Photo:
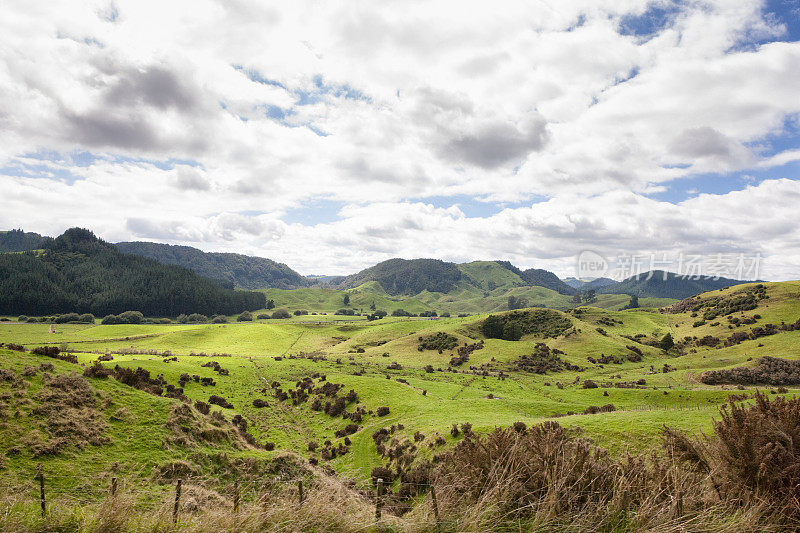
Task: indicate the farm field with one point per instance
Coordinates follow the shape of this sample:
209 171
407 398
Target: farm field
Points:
609 378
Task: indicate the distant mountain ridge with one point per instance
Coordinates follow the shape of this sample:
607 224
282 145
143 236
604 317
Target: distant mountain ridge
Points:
595 283
661 284
240 271
398 277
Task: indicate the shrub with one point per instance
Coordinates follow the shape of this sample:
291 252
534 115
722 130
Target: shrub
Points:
749 454
66 318
768 371
262 316
382 472
219 400
219 319
515 324
196 318
97 371
439 341
382 411
130 317
245 316
300 312
281 314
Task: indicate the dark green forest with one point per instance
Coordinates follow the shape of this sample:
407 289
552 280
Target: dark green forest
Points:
77 272
237 270
17 240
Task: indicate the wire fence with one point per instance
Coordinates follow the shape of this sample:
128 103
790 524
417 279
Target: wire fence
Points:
229 493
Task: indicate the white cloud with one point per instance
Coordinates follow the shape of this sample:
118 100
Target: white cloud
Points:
385 105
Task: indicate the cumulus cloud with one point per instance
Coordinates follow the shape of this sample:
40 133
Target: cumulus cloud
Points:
208 121
189 179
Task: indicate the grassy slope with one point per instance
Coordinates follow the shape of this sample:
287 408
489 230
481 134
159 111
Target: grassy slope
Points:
675 398
136 440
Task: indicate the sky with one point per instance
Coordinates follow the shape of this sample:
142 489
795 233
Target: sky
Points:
333 135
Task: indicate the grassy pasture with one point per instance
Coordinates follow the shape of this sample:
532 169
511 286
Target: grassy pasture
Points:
358 356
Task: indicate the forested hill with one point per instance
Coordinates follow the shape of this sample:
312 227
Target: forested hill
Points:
539 277
412 276
78 272
546 279
17 240
241 271
673 286
408 276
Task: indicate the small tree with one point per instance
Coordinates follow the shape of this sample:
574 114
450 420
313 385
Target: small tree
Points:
372 306
270 304
590 297
515 302
666 342
576 298
346 299
246 316
634 303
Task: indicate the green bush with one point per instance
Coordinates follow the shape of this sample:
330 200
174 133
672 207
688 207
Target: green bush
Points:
281 313
513 325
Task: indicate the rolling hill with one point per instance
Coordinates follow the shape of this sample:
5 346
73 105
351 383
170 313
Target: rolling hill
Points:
240 271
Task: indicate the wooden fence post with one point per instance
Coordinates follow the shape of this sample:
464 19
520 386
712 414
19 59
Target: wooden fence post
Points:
40 476
435 504
235 496
113 486
300 491
177 502
378 499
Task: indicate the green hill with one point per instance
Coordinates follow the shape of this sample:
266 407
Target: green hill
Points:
240 271
408 277
545 278
660 284
491 275
78 272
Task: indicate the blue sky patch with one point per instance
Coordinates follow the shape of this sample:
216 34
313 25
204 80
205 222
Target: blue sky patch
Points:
475 208
314 211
